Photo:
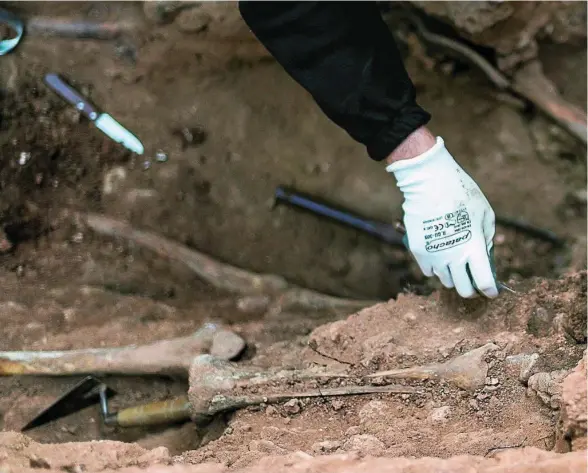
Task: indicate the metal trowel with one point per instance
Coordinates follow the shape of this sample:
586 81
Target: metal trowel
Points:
91 390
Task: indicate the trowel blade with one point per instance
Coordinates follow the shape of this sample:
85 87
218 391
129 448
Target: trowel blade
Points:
82 395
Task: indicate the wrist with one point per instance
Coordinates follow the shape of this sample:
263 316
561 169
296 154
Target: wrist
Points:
417 143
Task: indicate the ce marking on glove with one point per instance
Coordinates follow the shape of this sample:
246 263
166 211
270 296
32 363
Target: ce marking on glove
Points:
449 231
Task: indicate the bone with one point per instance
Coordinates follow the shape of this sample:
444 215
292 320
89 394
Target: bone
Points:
169 357
218 386
282 295
467 371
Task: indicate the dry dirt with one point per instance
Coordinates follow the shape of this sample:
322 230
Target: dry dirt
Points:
518 406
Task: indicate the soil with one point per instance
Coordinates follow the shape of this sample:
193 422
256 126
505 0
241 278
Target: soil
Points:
64 287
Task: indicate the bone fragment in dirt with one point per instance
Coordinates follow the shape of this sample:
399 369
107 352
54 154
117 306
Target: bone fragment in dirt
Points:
217 386
223 276
172 356
467 371
529 83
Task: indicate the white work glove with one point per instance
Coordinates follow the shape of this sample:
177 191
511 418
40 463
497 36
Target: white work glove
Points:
449 223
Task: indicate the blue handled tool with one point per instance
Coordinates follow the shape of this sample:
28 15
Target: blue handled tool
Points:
389 233
381 230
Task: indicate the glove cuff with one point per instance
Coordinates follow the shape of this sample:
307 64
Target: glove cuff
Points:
418 160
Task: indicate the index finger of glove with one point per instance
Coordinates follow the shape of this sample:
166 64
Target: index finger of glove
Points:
481 272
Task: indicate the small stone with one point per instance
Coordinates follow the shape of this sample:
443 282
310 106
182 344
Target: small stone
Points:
271 411
353 430
23 158
410 316
328 446
146 164
160 157
113 180
78 237
405 396
227 345
527 367
440 414
265 446
292 406
36 461
74 468
474 404
494 381
365 444
337 405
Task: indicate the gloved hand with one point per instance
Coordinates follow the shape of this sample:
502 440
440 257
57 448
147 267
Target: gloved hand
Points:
449 223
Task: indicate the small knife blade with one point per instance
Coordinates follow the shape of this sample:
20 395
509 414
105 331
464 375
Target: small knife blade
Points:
104 122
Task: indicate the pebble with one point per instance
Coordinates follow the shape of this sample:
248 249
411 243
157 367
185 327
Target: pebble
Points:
366 444
328 446
292 406
353 430
160 157
337 405
440 414
474 404
265 446
24 158
271 411
36 461
227 345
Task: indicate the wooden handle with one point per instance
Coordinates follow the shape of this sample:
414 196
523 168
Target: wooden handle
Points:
155 413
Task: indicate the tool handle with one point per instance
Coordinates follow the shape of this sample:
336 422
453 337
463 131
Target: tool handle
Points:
70 95
156 413
383 231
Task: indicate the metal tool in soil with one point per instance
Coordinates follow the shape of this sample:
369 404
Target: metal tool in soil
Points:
216 387
103 121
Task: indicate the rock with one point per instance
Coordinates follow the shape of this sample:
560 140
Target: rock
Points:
292 407
522 365
548 387
337 405
364 444
540 322
36 461
572 428
440 414
353 430
373 411
227 345
114 180
267 447
328 446
157 455
271 411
